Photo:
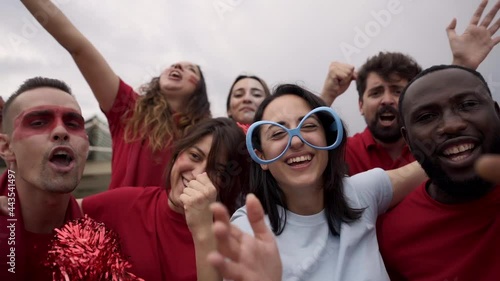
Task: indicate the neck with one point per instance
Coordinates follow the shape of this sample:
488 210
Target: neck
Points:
443 197
42 211
393 149
305 201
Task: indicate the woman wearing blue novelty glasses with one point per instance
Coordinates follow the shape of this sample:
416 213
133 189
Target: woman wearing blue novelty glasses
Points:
324 221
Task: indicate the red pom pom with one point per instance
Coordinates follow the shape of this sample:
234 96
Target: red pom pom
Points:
244 127
85 250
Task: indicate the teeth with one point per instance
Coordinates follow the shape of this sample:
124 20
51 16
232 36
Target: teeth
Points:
61 153
458 149
185 182
299 159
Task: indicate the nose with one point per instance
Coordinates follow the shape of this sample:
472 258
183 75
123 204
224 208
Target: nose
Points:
452 123
296 142
246 97
198 169
60 134
388 98
178 66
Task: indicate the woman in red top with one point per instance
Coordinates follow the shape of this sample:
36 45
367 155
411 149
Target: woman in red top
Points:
167 233
245 96
142 127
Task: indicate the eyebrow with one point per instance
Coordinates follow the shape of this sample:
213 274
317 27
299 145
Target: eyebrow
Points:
452 99
299 119
38 113
376 88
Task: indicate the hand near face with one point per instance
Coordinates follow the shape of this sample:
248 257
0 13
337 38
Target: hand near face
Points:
337 81
196 198
488 167
239 256
472 47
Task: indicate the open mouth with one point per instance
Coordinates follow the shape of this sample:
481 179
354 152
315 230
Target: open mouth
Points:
387 118
299 160
175 75
62 157
185 182
459 152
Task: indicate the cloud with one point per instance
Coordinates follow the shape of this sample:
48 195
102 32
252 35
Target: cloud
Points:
281 41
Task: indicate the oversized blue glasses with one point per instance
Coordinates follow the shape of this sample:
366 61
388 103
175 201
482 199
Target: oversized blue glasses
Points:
278 138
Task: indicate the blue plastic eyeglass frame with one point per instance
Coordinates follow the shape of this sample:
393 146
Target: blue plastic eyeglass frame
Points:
336 126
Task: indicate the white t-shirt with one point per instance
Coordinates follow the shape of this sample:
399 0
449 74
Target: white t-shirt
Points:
310 252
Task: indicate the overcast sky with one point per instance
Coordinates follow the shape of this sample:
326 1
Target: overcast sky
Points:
278 40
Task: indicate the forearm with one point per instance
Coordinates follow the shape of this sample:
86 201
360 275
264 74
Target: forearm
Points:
94 68
204 243
404 180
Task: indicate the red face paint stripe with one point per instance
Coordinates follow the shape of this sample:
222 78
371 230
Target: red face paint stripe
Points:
44 119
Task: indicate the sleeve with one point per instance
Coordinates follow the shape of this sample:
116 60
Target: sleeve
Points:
110 206
371 190
125 100
240 219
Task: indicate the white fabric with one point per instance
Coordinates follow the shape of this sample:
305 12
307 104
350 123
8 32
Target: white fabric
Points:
310 252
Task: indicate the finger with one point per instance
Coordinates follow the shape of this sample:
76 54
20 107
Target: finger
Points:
488 167
496 40
228 239
220 212
203 178
491 15
355 75
256 219
450 29
227 268
4 206
479 11
494 28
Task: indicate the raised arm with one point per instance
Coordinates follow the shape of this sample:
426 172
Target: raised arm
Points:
474 45
337 81
102 80
404 180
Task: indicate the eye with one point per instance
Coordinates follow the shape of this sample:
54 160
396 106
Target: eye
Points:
278 134
425 117
195 157
74 124
309 127
38 123
468 105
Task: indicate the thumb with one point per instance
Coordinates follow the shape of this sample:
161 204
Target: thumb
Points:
450 30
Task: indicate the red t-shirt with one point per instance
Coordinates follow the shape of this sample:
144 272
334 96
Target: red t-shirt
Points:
363 153
133 163
156 239
30 249
422 239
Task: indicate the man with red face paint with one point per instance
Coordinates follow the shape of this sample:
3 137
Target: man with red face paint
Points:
45 146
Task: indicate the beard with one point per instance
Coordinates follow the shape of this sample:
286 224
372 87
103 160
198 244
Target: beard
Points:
471 188
390 134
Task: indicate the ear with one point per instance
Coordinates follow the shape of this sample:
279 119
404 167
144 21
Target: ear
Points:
261 156
5 151
360 104
229 114
404 133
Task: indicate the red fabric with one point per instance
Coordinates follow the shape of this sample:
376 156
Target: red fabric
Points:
133 164
364 153
156 239
30 248
421 239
